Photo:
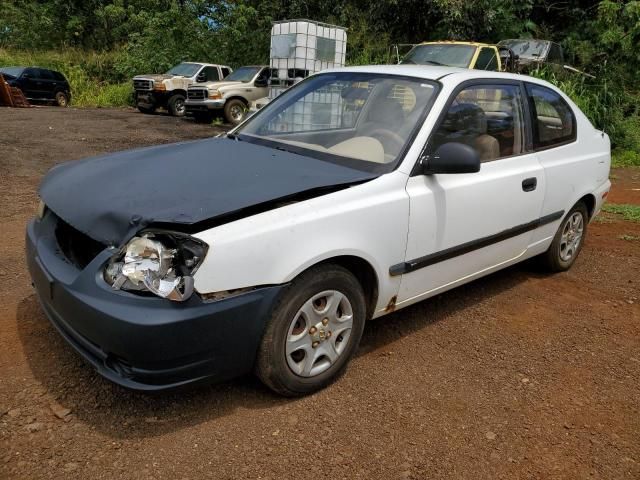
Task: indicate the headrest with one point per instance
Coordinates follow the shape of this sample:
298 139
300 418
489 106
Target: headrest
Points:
467 118
387 111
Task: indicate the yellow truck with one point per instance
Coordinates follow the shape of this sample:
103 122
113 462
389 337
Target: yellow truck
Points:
474 55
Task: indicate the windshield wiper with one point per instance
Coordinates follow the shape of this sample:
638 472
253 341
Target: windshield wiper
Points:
431 62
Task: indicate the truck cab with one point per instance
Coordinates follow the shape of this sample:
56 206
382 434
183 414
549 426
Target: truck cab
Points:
532 53
472 55
169 90
231 96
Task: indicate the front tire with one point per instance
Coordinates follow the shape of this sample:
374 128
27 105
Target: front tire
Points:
176 105
314 330
234 111
568 241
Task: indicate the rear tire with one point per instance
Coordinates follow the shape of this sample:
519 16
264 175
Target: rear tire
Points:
314 330
234 111
568 241
62 99
176 105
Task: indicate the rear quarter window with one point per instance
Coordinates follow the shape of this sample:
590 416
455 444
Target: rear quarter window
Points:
553 120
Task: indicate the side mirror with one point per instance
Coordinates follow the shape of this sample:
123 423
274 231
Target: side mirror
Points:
261 82
201 78
452 157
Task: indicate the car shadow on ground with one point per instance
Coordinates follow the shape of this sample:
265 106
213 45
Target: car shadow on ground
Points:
124 414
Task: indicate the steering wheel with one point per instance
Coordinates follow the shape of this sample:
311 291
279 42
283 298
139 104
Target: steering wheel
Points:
393 137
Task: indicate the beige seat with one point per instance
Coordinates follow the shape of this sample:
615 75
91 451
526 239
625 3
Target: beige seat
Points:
362 148
487 147
385 114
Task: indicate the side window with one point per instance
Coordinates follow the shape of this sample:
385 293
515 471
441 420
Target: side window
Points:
30 73
487 60
212 74
45 74
488 118
554 123
58 76
225 72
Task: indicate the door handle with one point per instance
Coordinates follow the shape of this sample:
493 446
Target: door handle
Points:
529 184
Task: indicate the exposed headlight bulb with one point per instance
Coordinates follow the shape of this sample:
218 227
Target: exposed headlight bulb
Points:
148 264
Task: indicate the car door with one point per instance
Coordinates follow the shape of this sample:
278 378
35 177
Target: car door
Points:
254 92
48 83
30 83
463 225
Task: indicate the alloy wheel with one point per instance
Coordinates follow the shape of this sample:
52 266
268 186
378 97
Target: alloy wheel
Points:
571 236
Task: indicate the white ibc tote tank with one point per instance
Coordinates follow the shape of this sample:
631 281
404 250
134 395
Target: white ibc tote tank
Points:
302 47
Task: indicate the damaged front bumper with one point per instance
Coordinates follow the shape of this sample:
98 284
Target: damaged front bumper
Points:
143 342
149 98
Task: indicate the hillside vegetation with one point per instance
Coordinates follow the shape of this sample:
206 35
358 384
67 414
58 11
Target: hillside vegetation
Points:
99 45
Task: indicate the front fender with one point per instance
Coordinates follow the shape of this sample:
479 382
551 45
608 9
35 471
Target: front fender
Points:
368 221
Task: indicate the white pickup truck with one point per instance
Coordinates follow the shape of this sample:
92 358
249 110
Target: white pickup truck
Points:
169 90
232 96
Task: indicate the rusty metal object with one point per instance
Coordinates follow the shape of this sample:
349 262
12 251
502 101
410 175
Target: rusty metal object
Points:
391 306
11 96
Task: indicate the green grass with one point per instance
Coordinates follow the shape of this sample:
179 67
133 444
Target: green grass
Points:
93 76
630 213
629 238
625 158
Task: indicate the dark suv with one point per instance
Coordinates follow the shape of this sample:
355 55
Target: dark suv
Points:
39 84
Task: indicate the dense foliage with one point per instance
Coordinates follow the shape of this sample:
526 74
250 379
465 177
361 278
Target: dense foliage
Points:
102 43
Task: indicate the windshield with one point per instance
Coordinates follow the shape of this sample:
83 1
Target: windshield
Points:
441 54
364 120
185 69
243 74
12 71
532 49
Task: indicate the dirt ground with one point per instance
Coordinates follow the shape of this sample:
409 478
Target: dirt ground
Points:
517 375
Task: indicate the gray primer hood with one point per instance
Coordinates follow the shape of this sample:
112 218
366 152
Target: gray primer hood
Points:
111 197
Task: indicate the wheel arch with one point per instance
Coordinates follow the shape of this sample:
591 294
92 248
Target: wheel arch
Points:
238 97
177 91
590 201
364 272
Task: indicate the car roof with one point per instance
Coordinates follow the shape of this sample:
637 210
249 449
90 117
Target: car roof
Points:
25 67
438 73
457 42
525 40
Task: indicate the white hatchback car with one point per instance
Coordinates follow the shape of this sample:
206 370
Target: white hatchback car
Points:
357 192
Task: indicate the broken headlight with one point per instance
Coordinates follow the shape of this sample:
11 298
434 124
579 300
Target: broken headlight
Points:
158 262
